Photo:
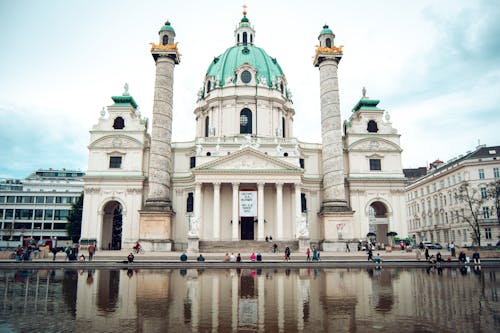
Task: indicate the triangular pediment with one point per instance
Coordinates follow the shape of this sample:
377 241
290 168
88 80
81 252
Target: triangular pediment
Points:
248 160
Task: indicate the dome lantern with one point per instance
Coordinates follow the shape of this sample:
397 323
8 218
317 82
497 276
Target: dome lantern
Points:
244 33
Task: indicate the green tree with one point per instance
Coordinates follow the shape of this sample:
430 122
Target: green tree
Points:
74 225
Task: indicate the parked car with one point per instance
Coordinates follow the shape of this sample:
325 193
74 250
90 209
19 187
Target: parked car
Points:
433 246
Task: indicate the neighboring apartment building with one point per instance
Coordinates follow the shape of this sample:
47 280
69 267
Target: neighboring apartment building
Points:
37 206
434 213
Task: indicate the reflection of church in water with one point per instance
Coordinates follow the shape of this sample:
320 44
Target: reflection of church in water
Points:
246 174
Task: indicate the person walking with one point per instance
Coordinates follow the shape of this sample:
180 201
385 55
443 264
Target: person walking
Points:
427 256
308 254
347 249
287 253
91 251
370 255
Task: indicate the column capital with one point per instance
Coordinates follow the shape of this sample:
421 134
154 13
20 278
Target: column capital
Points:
279 184
261 184
216 183
235 184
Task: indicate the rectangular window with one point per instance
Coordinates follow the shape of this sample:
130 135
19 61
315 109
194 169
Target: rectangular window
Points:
39 214
49 200
2 199
61 214
49 214
1 214
11 199
428 189
481 173
301 163
190 203
434 187
59 226
40 199
484 194
303 202
496 174
192 162
487 233
486 212
47 226
375 164
9 214
115 162
454 179
459 177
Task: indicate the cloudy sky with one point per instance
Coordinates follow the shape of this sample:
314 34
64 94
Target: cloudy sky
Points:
434 65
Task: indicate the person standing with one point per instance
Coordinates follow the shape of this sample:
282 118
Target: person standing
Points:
130 258
91 251
370 255
452 249
287 253
427 256
347 249
308 254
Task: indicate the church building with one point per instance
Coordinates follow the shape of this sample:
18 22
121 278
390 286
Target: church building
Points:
245 175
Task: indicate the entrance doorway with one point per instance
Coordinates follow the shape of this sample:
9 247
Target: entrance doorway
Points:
112 226
247 228
379 221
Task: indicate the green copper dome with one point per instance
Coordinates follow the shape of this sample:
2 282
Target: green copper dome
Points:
167 27
326 31
244 19
223 66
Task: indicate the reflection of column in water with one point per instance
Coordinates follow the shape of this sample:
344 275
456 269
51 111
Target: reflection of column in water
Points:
192 287
261 302
281 305
6 292
299 301
234 300
47 292
26 292
215 302
36 289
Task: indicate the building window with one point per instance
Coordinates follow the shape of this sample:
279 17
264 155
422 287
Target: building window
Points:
303 203
115 162
49 214
486 212
40 199
375 164
207 126
496 173
119 123
246 121
165 40
487 233
190 203
283 126
441 184
49 200
209 86
301 163
481 173
484 194
372 127
328 42
60 214
38 214
245 38
192 162
246 77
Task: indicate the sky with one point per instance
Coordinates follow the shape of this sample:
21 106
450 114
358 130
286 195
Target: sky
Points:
434 66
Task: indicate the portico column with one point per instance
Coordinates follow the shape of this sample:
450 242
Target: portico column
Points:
235 211
216 211
298 208
260 211
197 204
279 211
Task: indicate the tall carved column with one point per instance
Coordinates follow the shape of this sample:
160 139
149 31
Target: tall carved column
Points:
235 211
260 212
216 211
279 211
335 210
155 218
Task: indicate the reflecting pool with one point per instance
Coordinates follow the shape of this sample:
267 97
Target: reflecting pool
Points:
250 300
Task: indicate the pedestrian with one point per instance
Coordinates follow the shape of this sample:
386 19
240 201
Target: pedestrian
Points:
267 239
91 251
378 259
259 256
308 254
419 253
452 249
232 258
347 247
476 258
270 239
427 256
184 256
370 255
200 258
275 248
82 257
287 253
461 257
130 258
439 259
253 257
19 253
238 258
226 257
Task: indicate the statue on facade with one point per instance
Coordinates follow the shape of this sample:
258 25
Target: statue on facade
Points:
302 229
194 225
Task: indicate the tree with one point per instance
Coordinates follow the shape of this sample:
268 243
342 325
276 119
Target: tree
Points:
473 202
74 225
494 194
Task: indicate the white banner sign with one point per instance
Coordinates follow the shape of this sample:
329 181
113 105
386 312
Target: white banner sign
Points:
248 203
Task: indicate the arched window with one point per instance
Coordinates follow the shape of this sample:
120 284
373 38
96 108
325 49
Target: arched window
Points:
328 42
246 121
283 126
244 38
372 126
119 123
207 123
251 39
238 38
190 203
281 87
165 40
303 202
209 86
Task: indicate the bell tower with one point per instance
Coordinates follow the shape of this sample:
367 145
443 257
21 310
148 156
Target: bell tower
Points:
336 214
155 228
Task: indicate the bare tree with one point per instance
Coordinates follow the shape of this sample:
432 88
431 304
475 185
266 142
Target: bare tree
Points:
471 213
494 195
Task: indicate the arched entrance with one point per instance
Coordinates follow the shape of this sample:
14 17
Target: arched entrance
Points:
112 226
378 221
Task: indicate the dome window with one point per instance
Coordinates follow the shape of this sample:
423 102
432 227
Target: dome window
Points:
238 38
245 38
207 123
281 87
165 40
209 86
246 121
372 126
251 39
119 123
328 42
246 77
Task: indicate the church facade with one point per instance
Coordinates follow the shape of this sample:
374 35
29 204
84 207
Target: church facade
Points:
245 175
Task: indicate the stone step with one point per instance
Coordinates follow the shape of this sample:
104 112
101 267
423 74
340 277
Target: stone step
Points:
245 246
